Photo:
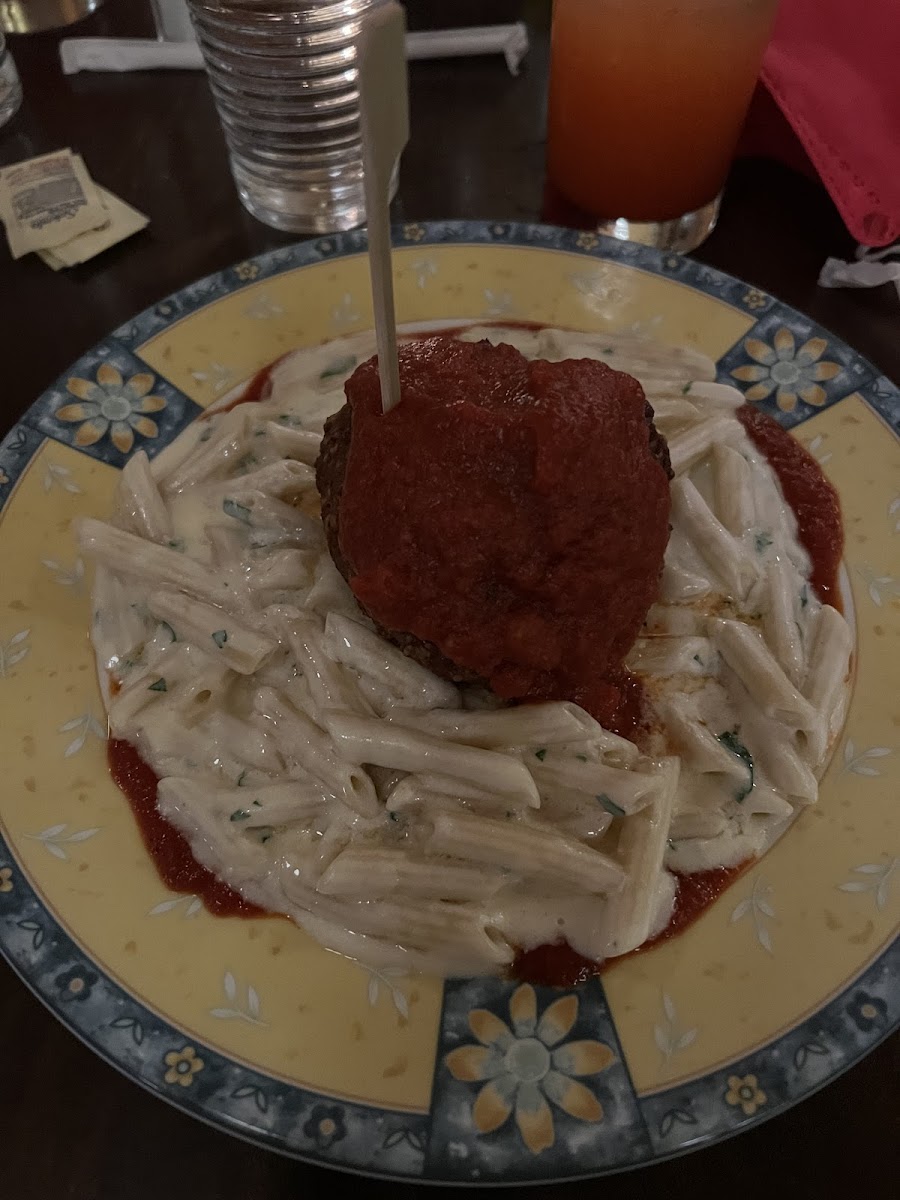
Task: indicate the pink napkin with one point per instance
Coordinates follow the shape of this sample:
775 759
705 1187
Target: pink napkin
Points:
833 69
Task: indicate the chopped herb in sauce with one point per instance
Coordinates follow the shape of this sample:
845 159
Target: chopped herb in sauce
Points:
698 660
239 814
240 512
763 542
804 596
341 366
220 637
581 757
610 805
206 434
687 387
732 743
257 804
265 832
159 686
541 754
176 544
241 778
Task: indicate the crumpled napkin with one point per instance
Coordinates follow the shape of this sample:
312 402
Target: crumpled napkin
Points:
833 68
870 269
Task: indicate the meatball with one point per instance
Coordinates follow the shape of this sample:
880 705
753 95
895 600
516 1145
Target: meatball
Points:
505 523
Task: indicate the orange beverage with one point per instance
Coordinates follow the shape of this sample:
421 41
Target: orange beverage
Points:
647 99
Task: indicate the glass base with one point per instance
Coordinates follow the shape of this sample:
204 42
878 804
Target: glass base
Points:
34 16
298 205
682 234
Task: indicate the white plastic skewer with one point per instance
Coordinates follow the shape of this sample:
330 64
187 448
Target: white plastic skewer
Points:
384 108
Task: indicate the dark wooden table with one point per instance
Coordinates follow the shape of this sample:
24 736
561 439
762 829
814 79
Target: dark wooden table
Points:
71 1126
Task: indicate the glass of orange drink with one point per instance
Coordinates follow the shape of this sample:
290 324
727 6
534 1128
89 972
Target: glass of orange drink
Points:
647 100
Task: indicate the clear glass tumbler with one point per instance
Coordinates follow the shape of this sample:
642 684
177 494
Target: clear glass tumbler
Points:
10 87
647 100
284 80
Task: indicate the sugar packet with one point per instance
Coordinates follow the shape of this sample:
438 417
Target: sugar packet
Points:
47 201
121 222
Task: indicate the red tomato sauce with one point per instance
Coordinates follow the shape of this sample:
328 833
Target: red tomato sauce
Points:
167 846
258 388
531 560
810 495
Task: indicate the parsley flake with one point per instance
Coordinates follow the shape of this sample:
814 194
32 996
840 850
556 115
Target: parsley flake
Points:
239 814
340 366
610 805
159 686
240 512
220 637
731 742
541 754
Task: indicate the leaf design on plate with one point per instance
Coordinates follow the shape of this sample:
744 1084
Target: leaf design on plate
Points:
248 1091
248 1011
859 762
409 1136
668 1036
13 651
36 931
194 904
137 1029
759 906
680 1116
60 476
802 1053
386 977
82 835
84 724
877 879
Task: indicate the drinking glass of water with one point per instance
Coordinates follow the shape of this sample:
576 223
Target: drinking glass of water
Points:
10 88
647 99
283 76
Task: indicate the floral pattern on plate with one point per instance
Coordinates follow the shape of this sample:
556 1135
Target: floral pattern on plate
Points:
109 405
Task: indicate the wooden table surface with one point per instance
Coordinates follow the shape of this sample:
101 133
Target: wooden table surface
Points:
71 1126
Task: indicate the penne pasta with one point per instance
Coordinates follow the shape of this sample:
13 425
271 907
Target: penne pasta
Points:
213 630
366 740
139 500
734 502
422 826
526 850
724 554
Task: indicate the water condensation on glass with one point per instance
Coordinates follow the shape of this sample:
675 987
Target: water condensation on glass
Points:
10 87
284 80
